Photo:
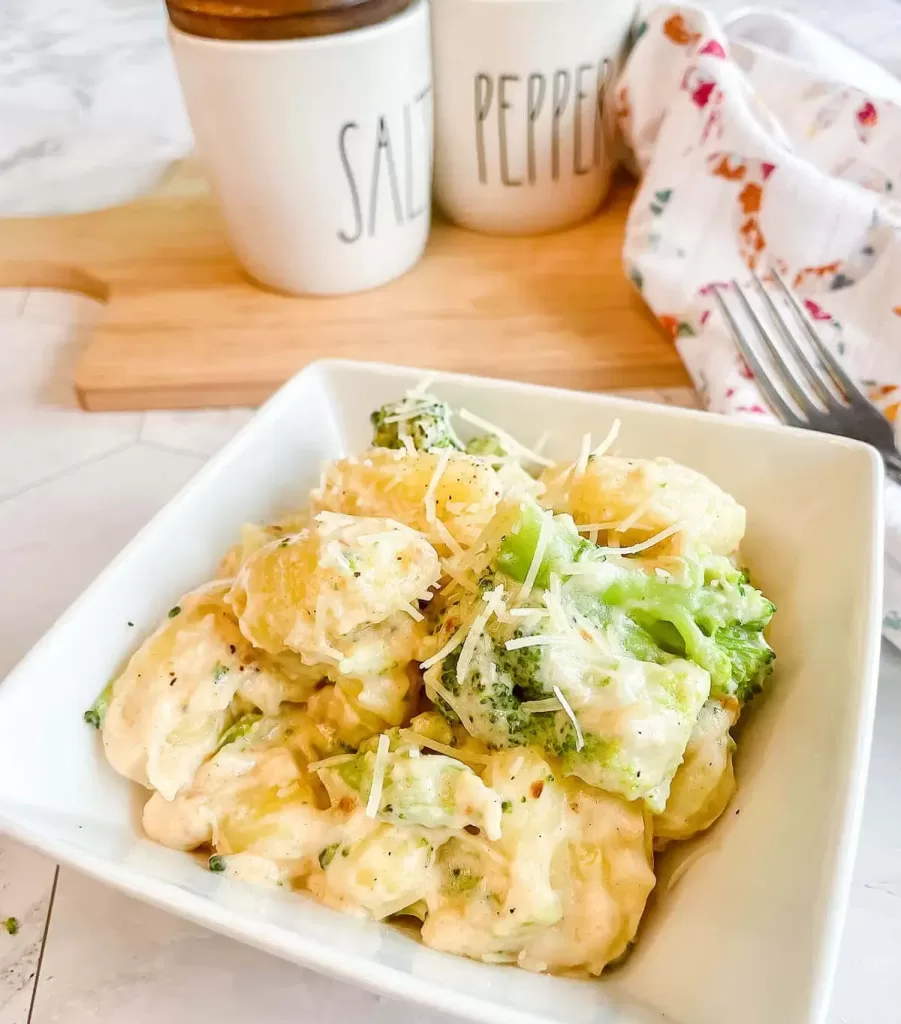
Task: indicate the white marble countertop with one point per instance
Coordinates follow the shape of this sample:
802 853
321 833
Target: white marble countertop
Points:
74 487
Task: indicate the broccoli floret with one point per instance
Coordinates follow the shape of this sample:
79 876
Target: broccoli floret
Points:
494 711
96 713
486 444
751 656
426 421
517 549
239 729
718 624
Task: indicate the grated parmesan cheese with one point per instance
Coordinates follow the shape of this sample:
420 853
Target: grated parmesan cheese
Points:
330 762
492 600
429 499
442 748
447 697
448 538
582 461
538 707
645 544
378 777
414 613
636 514
509 441
531 641
421 389
571 715
612 435
596 527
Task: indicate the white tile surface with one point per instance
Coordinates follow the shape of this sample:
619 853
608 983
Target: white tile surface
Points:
26 882
57 536
201 433
137 965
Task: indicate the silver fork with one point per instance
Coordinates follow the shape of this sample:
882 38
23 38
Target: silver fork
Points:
805 386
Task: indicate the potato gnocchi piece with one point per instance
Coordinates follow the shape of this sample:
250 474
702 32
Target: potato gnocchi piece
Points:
565 887
450 509
173 701
254 797
648 495
705 782
255 536
490 898
376 869
604 875
308 591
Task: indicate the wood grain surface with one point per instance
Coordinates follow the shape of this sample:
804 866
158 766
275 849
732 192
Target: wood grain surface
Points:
183 327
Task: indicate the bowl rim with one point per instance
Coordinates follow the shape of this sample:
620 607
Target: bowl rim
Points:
392 981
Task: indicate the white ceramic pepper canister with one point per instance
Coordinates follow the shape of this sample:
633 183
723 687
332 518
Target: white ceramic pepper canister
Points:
522 144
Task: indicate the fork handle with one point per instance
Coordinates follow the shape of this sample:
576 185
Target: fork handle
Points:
892 461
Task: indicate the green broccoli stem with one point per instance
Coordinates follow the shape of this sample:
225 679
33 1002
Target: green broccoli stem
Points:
517 549
96 713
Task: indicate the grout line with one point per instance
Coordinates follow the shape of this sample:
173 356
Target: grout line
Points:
37 975
66 472
172 450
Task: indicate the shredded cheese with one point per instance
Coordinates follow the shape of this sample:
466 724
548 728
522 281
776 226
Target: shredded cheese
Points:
421 389
571 715
524 613
636 514
509 441
429 499
612 435
459 578
414 613
530 641
378 777
442 748
448 538
584 452
448 698
408 444
456 639
645 544
330 762
544 536
492 600
538 446
595 527
538 707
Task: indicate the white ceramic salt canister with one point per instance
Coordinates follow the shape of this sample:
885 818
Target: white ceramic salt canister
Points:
319 149
522 143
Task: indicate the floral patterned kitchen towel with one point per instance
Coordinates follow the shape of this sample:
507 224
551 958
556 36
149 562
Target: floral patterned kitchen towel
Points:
752 158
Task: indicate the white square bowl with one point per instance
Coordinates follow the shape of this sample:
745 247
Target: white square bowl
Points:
750 932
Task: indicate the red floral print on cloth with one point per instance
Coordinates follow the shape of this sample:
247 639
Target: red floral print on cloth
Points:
886 398
677 30
867 117
713 49
816 311
753 176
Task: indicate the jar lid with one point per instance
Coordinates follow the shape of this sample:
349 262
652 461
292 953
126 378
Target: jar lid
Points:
278 19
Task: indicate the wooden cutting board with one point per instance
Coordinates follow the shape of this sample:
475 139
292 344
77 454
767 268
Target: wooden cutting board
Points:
184 328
